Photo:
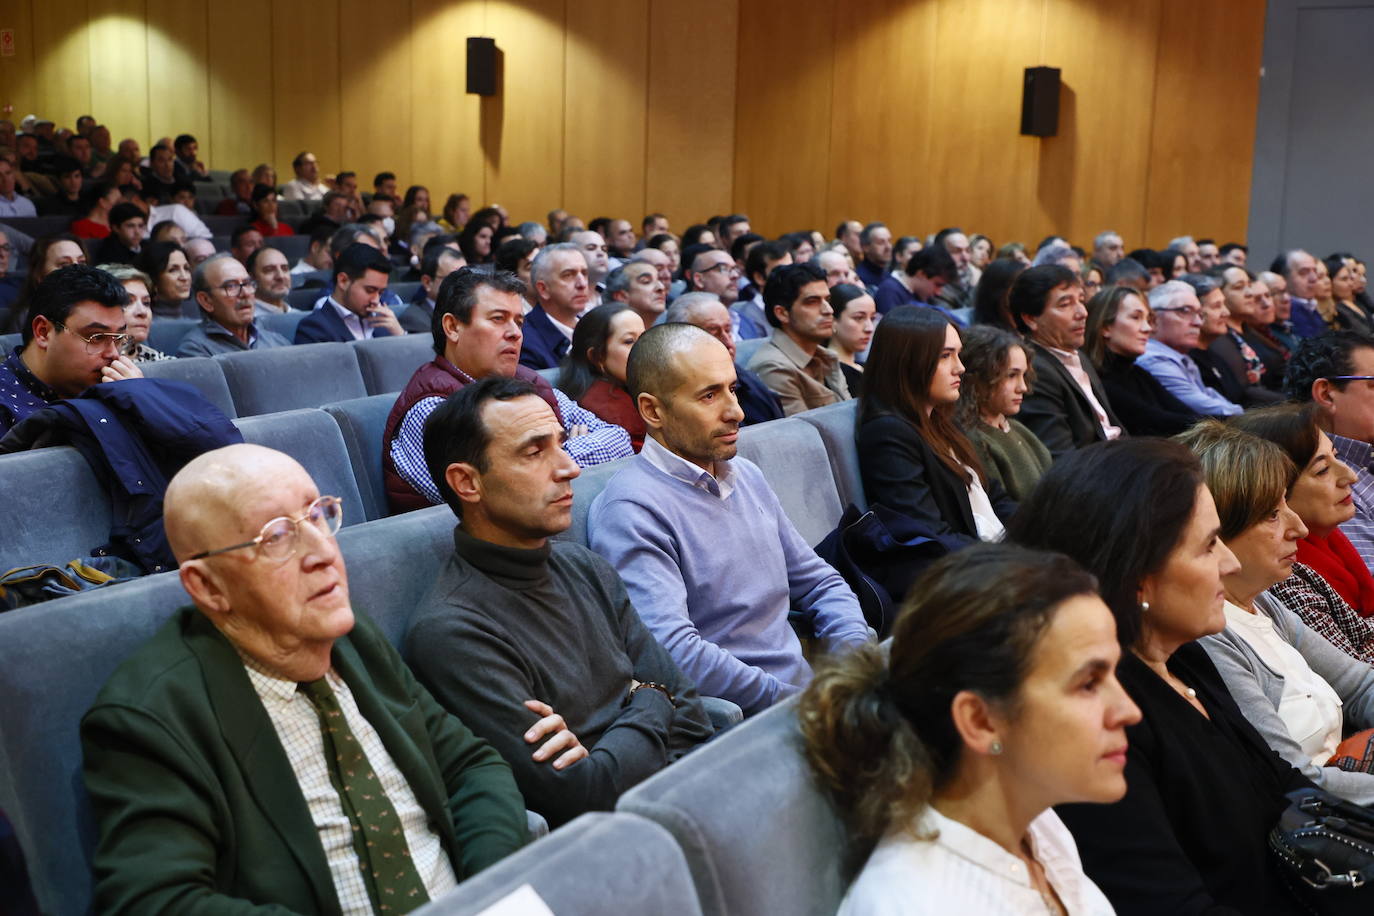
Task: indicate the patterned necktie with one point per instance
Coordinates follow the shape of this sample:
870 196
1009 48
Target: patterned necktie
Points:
392 881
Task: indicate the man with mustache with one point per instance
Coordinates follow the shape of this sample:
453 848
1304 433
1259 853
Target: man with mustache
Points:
795 362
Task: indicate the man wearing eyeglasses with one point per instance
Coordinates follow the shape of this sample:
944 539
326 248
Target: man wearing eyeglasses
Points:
73 338
224 291
1179 319
710 270
268 746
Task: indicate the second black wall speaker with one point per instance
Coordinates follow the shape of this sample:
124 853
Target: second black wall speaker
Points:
1039 101
482 66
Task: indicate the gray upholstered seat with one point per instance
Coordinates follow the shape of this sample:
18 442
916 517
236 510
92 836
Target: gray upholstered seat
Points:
8 342
758 835
588 484
165 334
387 363
55 508
313 439
793 458
598 863
551 375
393 561
283 323
305 297
201 373
286 378
744 349
405 290
294 247
835 423
362 421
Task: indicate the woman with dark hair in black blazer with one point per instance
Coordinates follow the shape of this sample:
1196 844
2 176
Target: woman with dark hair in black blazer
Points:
912 455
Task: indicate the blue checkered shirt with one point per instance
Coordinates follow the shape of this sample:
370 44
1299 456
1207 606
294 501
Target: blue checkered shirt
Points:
1360 529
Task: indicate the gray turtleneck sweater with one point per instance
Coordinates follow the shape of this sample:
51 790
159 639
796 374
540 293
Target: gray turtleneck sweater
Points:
503 625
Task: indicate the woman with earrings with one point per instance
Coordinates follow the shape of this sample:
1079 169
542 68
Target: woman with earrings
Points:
1203 788
999 701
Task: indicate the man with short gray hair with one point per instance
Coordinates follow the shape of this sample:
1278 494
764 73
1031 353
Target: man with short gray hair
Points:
562 284
1300 270
534 232
1178 324
224 291
1108 249
637 284
1185 244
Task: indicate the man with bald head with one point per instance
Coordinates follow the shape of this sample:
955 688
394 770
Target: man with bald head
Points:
705 310
240 756
677 520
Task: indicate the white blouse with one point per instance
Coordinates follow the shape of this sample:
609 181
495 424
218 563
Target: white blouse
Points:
962 871
984 517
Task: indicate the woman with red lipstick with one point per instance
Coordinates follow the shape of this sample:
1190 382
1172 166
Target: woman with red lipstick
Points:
1203 788
999 701
1298 690
912 455
996 377
1119 325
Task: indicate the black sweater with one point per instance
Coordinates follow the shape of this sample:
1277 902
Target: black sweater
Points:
1142 403
503 625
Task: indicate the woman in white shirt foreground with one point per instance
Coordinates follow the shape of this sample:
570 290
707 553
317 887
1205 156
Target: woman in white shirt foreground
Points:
999 701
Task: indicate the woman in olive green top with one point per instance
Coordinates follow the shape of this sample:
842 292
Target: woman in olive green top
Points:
997 375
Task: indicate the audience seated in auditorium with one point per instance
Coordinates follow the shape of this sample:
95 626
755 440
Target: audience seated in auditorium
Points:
271 272
228 324
705 311
306 185
927 273
1299 270
795 362
1203 790
946 756
285 668
1211 324
12 203
1119 324
996 377
875 241
354 309
1350 315
913 457
166 263
265 220
73 338
534 641
179 212
124 241
1335 372
438 262
562 284
1331 588
710 561
138 312
1301 693
749 315
1068 407
593 372
477 334
636 283
855 319
1231 347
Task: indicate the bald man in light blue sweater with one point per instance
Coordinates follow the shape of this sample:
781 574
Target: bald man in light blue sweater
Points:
710 560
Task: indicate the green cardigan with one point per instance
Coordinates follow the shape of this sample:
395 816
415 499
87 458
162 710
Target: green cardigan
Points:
199 810
1016 458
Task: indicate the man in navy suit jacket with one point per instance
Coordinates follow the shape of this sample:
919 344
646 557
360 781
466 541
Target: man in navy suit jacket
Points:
561 283
706 311
354 310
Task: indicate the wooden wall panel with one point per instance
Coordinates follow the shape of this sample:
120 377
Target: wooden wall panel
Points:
782 124
118 35
1205 104
445 120
690 147
62 75
178 81
522 128
240 73
605 108
18 87
305 90
375 91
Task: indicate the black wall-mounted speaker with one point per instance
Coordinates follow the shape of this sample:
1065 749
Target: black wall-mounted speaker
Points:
482 66
1039 101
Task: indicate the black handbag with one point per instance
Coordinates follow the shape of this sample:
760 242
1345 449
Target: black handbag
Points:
1325 841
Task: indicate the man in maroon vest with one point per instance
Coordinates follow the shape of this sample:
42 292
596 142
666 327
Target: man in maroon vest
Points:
477 333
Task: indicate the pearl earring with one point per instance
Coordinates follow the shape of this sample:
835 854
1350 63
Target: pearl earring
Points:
1144 607
995 748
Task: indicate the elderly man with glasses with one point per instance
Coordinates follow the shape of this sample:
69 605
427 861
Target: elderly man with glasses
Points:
1179 320
224 292
73 338
268 747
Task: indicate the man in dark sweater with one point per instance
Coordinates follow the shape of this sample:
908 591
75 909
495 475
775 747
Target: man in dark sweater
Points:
531 638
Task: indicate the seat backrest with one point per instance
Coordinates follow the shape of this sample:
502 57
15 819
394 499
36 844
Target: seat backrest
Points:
793 459
8 342
286 378
835 423
744 349
758 835
392 562
387 363
284 323
166 333
54 657
304 299
223 225
586 487
55 508
362 421
313 439
294 247
201 373
551 375
405 291
598 863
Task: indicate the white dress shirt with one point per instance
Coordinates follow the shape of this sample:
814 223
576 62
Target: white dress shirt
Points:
351 321
961 871
1074 364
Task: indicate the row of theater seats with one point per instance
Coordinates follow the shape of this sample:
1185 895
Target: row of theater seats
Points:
37 226
745 822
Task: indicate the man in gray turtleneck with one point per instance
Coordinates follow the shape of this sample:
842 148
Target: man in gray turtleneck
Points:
532 639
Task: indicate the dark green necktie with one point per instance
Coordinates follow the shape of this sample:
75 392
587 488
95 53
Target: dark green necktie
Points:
391 878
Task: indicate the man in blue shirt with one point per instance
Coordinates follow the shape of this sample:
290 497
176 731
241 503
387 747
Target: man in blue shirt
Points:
1179 319
709 559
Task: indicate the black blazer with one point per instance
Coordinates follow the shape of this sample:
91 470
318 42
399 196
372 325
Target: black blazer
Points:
544 345
901 471
1145 407
1226 352
323 325
1056 409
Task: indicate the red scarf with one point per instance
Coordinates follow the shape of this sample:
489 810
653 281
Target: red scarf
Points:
1336 559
